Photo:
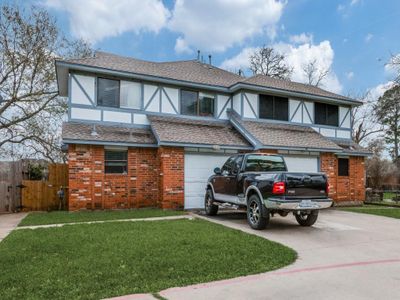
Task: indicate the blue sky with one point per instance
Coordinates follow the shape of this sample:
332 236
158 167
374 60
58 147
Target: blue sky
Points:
354 38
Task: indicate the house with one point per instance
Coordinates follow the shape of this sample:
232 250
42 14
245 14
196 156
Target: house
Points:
143 133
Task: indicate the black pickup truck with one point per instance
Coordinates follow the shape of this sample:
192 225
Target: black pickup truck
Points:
261 184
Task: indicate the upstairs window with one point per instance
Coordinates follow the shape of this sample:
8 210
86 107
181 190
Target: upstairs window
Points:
107 92
274 108
343 167
115 161
326 114
197 104
118 93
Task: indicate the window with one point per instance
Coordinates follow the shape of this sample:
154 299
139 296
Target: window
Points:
197 104
264 163
343 167
107 92
119 93
131 94
273 107
227 167
326 114
115 161
237 164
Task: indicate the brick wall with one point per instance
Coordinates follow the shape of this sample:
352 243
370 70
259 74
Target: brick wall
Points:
345 189
91 188
171 177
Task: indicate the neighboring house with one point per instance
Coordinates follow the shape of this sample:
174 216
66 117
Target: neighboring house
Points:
144 133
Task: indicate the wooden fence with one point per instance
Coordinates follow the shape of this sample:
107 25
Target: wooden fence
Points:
11 175
42 195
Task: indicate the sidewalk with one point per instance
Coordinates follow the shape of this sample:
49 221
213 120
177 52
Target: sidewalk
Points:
9 222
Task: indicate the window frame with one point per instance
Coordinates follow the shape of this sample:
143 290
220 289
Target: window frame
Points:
326 114
340 172
273 107
125 172
212 115
97 92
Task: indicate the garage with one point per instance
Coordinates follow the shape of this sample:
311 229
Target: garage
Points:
198 168
302 163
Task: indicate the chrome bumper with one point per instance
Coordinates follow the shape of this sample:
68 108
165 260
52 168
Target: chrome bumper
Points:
297 205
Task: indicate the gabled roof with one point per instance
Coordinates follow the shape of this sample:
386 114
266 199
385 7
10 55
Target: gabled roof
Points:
189 73
183 131
279 136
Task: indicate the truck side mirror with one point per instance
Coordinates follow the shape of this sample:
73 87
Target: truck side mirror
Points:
217 171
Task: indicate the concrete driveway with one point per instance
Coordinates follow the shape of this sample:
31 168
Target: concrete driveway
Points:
343 256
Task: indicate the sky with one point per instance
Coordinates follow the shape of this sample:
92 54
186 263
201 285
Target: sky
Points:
354 38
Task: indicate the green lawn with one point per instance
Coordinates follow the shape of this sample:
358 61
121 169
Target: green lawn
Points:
92 261
57 217
392 212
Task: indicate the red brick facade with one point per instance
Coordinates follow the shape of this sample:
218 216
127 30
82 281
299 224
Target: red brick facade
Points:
345 189
155 178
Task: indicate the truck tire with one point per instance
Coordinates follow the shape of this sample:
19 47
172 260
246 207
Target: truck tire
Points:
210 208
307 219
257 213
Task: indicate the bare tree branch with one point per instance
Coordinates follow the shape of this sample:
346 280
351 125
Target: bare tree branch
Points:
267 61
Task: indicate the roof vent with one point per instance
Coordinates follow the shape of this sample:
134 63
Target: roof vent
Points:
94 132
209 59
198 55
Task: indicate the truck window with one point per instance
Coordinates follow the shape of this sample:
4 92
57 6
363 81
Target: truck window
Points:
264 163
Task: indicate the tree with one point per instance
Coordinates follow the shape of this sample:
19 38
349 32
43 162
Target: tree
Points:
394 63
30 110
378 169
365 122
315 74
387 111
267 61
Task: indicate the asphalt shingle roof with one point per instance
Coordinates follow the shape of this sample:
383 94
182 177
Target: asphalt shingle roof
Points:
350 147
106 133
286 135
188 70
287 85
187 131
196 72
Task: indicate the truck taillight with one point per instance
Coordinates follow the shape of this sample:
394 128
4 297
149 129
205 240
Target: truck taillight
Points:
278 188
327 188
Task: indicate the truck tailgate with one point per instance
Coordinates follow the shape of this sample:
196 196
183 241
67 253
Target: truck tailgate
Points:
306 185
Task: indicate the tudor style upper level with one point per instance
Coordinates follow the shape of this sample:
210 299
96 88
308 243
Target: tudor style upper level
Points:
118 90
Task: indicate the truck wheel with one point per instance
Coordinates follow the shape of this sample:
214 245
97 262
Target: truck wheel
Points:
307 219
257 213
210 208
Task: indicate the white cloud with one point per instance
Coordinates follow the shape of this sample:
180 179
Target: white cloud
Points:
354 2
296 56
240 61
302 38
368 37
220 24
95 20
377 91
350 75
392 68
182 47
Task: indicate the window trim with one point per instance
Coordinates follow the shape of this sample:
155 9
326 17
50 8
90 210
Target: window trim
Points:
197 115
273 108
326 114
119 160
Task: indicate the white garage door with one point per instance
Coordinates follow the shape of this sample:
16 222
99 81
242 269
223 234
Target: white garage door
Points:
198 167
301 163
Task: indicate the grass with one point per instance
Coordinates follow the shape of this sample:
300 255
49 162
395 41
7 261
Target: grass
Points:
57 217
392 212
93 261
